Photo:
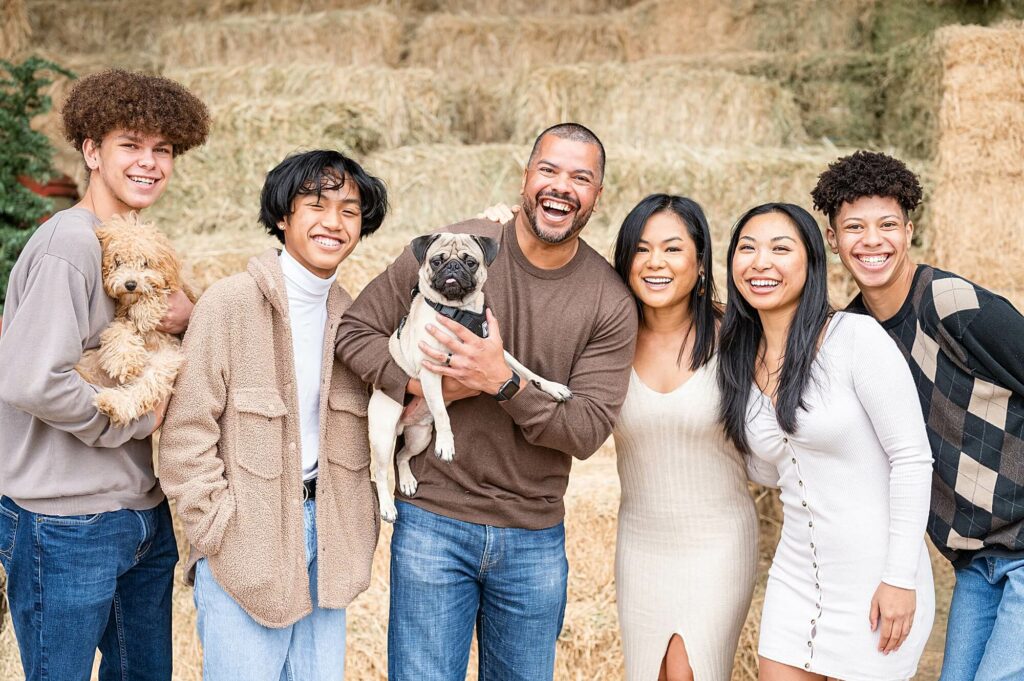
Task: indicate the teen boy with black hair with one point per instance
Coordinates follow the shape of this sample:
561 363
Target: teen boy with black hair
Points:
281 518
965 346
85 532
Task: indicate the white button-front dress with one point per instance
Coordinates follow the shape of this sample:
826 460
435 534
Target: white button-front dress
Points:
855 481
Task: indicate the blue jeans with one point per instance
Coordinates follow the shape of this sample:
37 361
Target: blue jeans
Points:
82 582
235 646
448 575
986 622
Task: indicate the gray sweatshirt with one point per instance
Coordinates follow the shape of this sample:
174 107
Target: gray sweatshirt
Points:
58 454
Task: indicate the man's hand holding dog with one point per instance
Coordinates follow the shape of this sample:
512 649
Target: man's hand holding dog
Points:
179 310
477 363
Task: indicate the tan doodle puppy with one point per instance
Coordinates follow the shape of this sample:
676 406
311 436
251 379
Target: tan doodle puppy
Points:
135 364
453 269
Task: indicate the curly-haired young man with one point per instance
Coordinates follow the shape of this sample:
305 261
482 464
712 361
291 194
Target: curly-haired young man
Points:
85 532
965 346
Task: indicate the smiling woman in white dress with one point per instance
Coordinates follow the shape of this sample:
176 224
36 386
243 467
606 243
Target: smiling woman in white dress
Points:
687 535
826 409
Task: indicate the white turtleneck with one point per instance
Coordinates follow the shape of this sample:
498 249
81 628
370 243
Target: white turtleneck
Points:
307 313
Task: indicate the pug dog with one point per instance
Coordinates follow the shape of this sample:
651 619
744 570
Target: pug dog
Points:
453 269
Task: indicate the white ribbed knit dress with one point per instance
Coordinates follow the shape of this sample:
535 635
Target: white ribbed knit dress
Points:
687 538
855 481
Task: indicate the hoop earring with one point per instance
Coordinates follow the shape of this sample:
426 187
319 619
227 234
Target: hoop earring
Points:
701 288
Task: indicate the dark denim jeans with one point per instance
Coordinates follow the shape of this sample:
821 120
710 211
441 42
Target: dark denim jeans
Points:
448 575
78 583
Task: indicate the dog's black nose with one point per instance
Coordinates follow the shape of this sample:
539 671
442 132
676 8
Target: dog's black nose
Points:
130 285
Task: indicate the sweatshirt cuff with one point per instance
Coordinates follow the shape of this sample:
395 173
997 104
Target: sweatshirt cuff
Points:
394 381
144 426
528 402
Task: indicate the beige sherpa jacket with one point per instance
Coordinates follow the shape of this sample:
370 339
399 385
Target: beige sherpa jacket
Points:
229 453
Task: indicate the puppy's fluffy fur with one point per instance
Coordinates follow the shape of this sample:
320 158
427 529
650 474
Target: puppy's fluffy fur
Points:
135 364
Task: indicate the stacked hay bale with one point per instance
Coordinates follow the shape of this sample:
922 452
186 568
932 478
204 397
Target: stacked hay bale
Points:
481 44
402 106
961 104
337 38
977 211
14 28
706 26
650 103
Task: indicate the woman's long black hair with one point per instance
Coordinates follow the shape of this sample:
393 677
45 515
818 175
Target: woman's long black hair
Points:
704 310
742 331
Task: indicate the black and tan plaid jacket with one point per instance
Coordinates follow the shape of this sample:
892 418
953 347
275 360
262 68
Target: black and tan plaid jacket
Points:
965 346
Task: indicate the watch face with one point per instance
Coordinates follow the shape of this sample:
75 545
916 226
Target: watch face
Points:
509 389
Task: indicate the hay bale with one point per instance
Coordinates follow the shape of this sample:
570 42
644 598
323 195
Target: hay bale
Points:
481 44
14 28
912 96
406 106
519 7
648 103
977 209
708 26
893 22
336 38
328 123
650 28
105 26
126 27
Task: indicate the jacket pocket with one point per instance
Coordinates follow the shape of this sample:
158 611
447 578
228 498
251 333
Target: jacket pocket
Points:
347 441
260 431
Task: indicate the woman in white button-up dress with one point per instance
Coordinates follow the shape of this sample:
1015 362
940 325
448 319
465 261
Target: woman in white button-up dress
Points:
825 408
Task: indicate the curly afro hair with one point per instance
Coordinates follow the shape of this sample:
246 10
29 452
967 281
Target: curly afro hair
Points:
117 99
866 173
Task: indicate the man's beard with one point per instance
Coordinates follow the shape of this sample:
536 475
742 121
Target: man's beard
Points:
578 222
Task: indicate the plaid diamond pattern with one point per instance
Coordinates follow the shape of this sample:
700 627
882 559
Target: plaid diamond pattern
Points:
975 426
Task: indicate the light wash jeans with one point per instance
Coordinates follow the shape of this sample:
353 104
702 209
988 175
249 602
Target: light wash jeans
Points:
985 634
236 647
448 576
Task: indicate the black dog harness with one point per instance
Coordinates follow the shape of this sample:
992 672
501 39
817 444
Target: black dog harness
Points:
474 321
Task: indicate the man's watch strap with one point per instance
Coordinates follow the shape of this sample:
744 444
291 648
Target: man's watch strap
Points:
508 389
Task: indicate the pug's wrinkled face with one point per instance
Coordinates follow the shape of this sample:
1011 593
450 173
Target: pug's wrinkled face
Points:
454 266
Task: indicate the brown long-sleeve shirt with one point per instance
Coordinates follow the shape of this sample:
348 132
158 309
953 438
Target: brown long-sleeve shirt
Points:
575 325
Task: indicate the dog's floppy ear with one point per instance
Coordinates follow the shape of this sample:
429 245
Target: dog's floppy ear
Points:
420 245
489 246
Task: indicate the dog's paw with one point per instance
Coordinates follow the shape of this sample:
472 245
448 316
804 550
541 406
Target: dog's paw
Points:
388 512
114 405
407 483
560 392
444 447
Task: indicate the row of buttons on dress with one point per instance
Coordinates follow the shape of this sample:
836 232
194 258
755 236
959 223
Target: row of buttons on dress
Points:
814 555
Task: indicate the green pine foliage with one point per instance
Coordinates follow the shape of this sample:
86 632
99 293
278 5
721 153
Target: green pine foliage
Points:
23 152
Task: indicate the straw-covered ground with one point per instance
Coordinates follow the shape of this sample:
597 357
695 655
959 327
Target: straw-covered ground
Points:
731 102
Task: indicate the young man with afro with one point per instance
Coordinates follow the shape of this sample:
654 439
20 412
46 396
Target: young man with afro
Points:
85 532
965 347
